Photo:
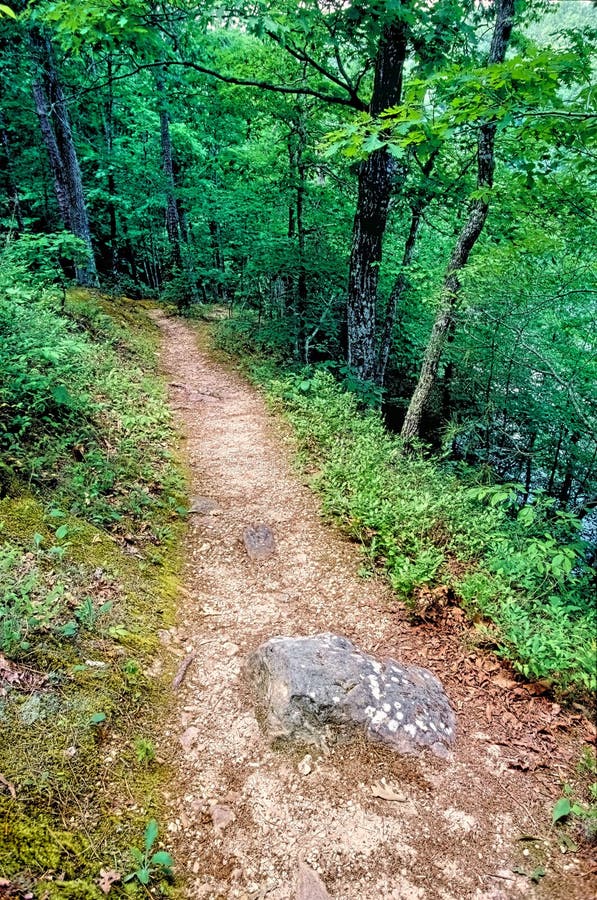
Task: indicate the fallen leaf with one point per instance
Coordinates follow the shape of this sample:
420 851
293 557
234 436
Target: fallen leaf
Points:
387 792
503 681
8 784
107 878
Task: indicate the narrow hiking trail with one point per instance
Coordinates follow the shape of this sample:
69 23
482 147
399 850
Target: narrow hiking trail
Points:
244 817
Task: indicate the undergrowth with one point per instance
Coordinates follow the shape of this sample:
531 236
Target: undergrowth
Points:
91 505
521 575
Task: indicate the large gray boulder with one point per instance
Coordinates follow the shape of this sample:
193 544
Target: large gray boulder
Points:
313 690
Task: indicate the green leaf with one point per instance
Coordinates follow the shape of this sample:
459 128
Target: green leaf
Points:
151 833
143 875
561 809
373 143
7 11
162 858
61 395
96 718
61 532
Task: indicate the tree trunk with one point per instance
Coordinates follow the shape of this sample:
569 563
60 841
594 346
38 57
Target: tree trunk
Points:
54 120
371 216
401 282
218 259
109 132
297 143
467 239
176 226
173 228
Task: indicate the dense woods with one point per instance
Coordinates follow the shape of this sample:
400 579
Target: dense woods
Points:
392 205
406 195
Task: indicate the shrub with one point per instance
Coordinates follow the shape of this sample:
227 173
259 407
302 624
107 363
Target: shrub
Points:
527 574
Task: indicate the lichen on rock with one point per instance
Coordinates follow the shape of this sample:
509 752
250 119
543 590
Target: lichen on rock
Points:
315 690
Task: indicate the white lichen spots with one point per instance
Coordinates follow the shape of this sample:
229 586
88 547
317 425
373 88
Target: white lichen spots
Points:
421 724
376 665
386 707
433 726
392 725
374 685
369 711
378 718
400 716
411 729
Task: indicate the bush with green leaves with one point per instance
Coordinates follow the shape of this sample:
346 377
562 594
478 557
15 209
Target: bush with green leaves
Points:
527 573
73 418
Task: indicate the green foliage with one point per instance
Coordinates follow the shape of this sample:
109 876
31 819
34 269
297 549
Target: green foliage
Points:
149 863
76 603
568 810
416 519
37 602
71 413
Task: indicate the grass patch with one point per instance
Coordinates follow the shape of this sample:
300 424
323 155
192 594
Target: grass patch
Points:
91 513
521 573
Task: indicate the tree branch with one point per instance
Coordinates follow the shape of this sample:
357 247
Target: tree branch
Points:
352 102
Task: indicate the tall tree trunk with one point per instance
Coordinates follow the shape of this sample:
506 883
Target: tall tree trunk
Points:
374 191
215 235
109 132
297 143
176 225
467 239
173 228
401 282
56 130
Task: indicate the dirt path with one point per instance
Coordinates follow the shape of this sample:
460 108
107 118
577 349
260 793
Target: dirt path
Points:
242 815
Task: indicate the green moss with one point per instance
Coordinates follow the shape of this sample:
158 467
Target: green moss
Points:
33 844
21 518
78 889
65 788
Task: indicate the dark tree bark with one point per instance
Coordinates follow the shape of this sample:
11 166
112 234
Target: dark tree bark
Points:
467 239
176 226
376 175
215 234
109 132
56 130
297 143
173 227
401 282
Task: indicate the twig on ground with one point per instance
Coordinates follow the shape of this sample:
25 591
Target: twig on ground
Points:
182 670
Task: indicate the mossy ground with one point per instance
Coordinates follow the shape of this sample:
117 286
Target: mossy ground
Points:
80 778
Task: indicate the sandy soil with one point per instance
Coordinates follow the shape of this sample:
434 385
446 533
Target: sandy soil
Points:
243 816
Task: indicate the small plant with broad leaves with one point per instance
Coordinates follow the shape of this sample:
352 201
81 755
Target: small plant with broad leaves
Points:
150 864
568 809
